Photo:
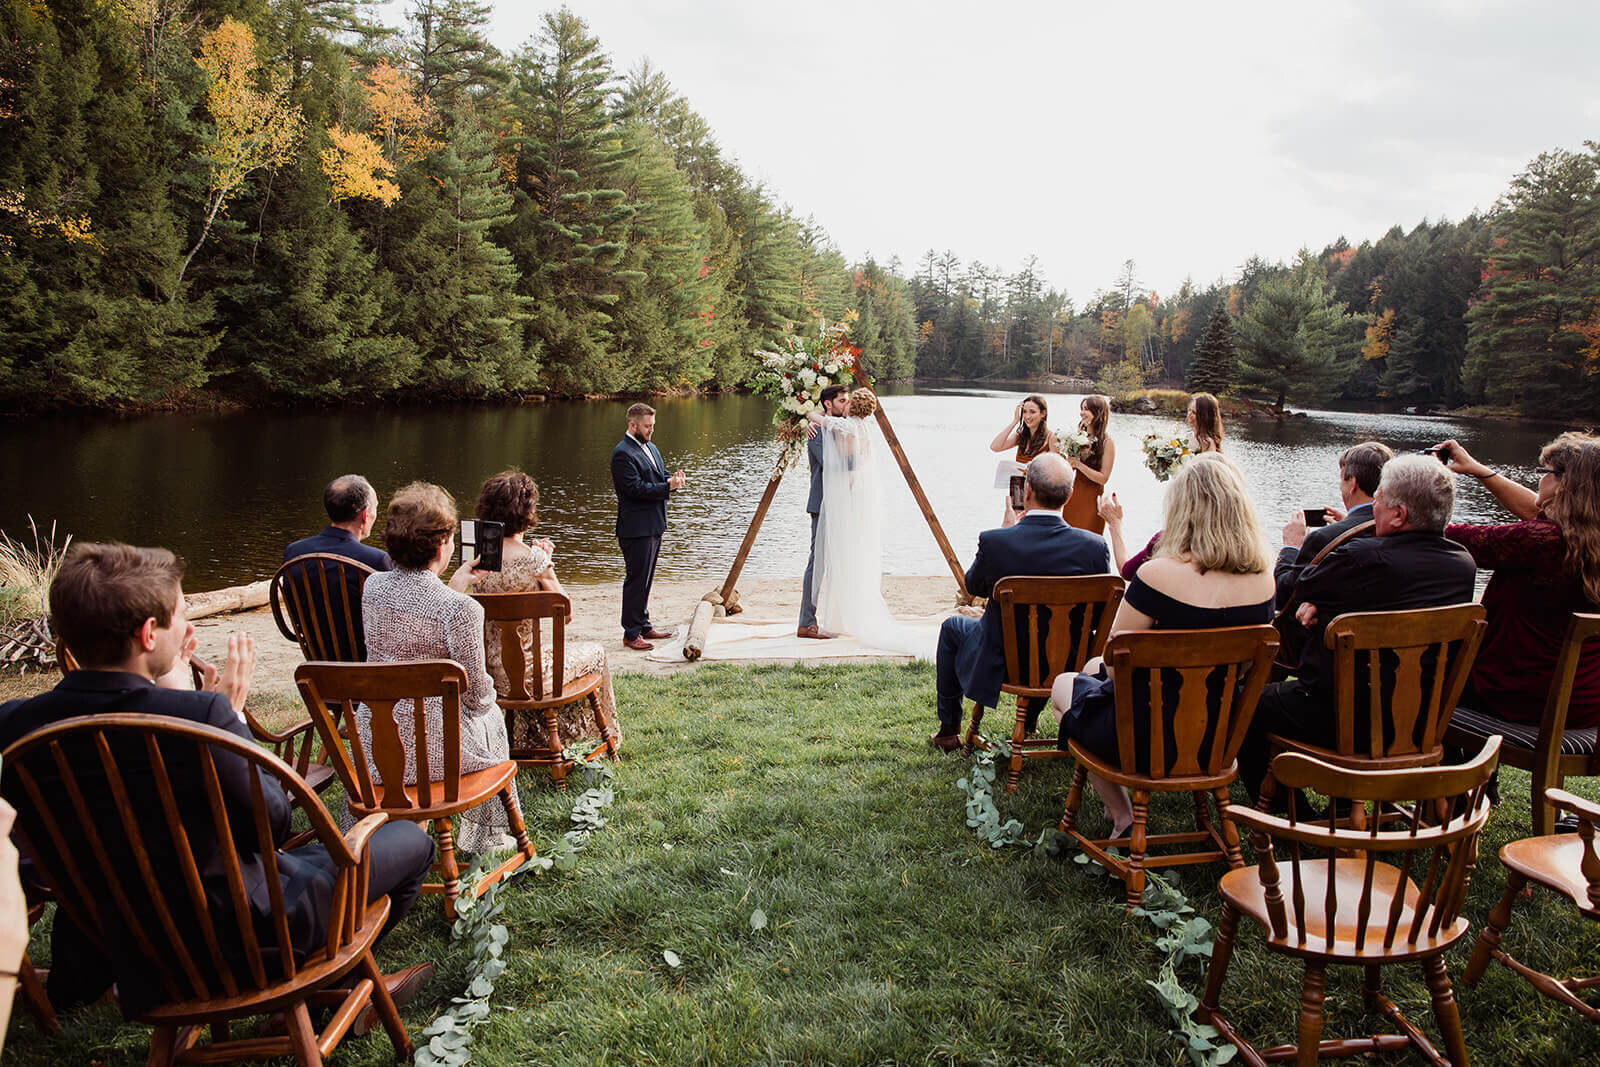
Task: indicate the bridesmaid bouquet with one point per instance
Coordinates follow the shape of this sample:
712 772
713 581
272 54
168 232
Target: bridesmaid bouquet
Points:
1164 455
1073 443
795 376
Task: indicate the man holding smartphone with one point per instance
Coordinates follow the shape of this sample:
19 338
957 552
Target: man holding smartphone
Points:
643 486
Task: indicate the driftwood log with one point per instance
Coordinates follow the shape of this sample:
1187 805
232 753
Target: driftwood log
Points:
224 601
694 643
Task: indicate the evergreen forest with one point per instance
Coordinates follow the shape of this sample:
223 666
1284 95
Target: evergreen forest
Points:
282 201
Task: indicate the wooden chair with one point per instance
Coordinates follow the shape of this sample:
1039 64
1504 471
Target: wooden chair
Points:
31 987
1550 751
529 691
382 687
212 965
1293 635
1410 668
316 602
1194 754
1568 864
1066 622
1357 901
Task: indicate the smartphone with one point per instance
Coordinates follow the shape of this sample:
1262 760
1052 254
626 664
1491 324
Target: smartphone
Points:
1316 517
1440 454
1016 493
491 536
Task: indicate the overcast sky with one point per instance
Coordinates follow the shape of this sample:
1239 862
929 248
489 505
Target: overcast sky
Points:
1183 136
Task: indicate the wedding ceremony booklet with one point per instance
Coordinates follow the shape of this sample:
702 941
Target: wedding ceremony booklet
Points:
1007 470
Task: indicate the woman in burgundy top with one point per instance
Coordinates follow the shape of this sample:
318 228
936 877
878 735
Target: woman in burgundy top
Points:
1546 566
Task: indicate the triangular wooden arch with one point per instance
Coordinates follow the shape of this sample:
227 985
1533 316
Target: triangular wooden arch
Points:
727 590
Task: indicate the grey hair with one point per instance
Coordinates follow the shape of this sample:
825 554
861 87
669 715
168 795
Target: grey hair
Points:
1050 478
347 496
1424 487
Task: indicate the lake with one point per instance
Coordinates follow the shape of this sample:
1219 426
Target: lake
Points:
228 491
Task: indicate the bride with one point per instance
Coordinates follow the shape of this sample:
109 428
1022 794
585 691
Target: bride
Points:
846 583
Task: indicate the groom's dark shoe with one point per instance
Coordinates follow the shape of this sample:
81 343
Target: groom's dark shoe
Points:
945 742
812 631
653 634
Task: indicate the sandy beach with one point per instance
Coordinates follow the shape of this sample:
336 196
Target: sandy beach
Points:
595 613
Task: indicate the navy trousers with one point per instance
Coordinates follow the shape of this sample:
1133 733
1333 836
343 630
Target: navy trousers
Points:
639 555
808 602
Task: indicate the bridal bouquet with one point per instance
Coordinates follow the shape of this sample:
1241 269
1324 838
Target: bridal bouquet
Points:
795 376
1073 443
1164 455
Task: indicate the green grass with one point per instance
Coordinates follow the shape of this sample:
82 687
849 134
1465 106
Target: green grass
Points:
894 935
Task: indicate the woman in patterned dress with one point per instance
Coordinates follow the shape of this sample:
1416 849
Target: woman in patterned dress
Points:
410 614
511 498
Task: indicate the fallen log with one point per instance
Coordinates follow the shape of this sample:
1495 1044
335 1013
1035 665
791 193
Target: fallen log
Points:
224 601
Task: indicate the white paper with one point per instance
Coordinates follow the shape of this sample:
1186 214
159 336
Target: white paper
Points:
1007 470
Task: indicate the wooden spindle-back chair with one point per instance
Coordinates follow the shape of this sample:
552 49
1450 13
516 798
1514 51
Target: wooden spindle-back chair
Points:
1396 678
529 690
375 781
1194 754
125 815
316 602
1332 894
1568 864
1550 750
1064 624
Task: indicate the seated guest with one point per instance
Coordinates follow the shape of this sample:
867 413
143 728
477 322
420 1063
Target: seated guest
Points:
511 499
1360 467
971 655
1546 566
352 507
121 612
1210 570
1408 565
409 615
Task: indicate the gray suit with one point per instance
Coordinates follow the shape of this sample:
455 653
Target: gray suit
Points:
808 603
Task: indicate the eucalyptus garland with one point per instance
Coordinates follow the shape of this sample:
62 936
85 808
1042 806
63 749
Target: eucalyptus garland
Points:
448 1038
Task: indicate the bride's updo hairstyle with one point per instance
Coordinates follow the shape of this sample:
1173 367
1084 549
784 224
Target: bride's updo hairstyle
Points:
1210 521
863 403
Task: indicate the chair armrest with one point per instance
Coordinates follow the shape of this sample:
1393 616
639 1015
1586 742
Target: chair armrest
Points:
266 736
1583 809
357 836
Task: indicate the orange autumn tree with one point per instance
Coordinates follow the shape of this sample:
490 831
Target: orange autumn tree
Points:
363 165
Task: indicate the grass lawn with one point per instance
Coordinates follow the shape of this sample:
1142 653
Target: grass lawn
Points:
894 935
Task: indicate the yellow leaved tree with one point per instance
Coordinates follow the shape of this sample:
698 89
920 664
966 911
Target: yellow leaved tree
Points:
361 165
356 168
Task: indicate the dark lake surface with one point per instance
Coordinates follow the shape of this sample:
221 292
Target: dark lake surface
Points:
228 491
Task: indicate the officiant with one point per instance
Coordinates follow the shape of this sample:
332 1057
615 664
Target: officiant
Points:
643 486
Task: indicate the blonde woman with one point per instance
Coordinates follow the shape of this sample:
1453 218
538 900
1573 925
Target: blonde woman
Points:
1212 568
1092 469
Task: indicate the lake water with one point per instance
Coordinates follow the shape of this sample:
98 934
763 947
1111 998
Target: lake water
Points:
228 491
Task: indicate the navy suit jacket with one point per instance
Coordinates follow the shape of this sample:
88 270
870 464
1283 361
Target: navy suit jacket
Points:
814 459
642 490
340 542
1291 561
307 887
1036 545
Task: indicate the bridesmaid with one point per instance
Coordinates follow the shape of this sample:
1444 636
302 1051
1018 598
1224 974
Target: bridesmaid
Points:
1092 469
1205 419
1030 433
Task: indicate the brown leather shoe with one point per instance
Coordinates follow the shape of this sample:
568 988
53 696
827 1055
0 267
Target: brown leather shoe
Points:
638 644
403 987
945 742
653 634
812 632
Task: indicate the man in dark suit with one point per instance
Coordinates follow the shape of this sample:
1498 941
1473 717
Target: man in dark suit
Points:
1408 565
971 655
642 485
352 506
121 611
1360 468
835 401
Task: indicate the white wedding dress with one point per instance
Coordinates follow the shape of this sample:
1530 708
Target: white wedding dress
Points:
847 578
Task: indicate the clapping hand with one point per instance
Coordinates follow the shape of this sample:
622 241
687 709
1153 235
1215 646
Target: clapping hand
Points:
234 681
1111 510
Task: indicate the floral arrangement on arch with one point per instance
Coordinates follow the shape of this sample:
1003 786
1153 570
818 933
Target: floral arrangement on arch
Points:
1073 443
1164 455
795 376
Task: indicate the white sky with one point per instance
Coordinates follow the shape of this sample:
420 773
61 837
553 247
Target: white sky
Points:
1185 136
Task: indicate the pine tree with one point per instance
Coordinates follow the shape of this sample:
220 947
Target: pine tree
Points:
1214 363
1293 337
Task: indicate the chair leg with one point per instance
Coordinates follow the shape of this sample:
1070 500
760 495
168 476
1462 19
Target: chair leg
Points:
1230 832
519 829
1489 939
972 738
163 1043
1019 733
1069 819
1445 1010
552 734
610 740
1137 843
1269 792
34 996
302 1035
388 1014
1221 956
449 871
1545 777
1372 987
1309 1033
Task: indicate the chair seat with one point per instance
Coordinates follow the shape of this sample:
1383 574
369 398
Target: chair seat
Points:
1243 889
1552 861
1575 742
1170 784
319 776
573 691
476 787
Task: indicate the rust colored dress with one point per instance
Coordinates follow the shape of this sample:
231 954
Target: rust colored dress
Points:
1082 508
575 721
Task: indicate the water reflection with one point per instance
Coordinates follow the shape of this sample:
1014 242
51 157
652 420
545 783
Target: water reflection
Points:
228 491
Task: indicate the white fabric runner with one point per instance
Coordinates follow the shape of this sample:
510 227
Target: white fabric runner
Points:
748 639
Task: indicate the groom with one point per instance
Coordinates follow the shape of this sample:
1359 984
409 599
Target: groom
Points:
835 401
971 657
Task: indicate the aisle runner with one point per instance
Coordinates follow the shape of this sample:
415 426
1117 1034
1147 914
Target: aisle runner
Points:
733 639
